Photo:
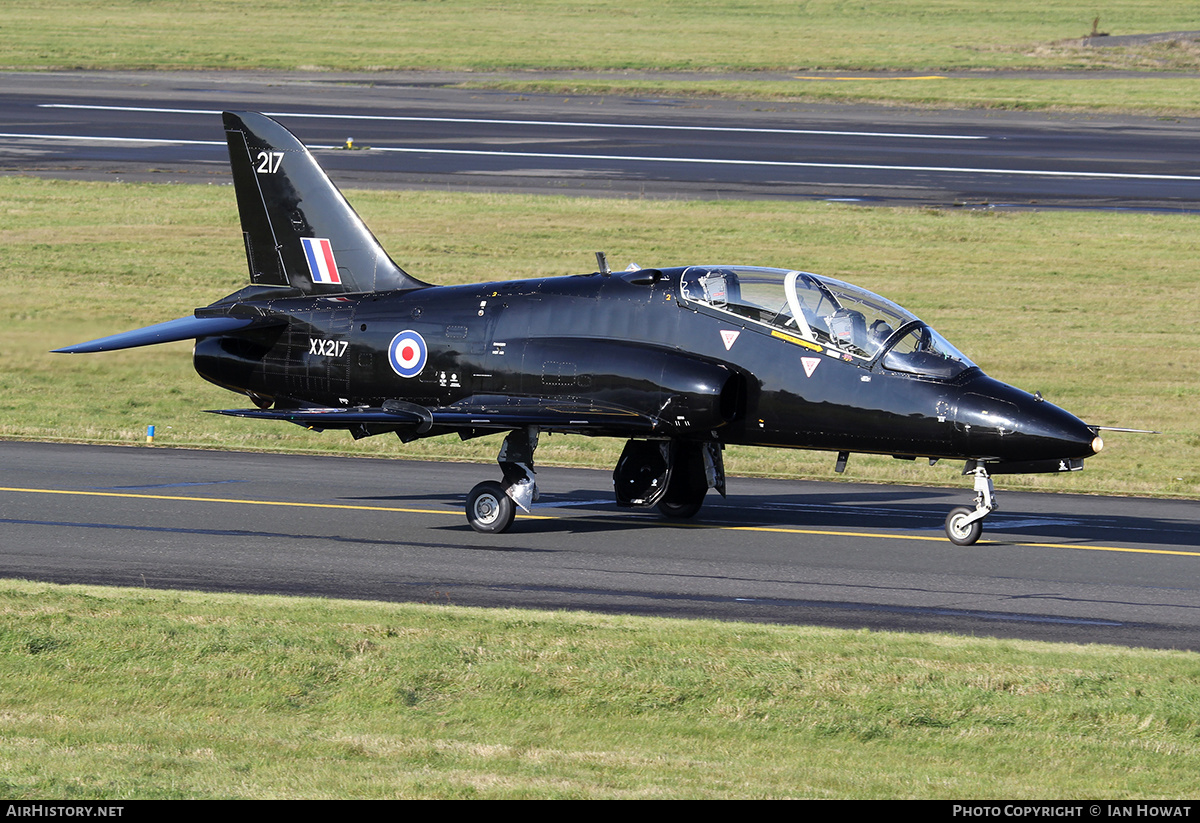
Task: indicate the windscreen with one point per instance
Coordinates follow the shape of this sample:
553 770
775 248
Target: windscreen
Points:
828 312
923 351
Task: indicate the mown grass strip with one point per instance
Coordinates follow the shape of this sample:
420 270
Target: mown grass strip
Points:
131 693
749 35
1166 96
703 39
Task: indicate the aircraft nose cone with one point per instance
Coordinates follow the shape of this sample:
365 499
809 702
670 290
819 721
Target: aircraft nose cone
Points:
1000 421
1057 429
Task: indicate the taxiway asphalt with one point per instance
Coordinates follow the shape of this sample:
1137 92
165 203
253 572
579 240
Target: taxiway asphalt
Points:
1058 567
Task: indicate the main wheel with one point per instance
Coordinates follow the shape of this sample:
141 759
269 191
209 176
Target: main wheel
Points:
958 530
489 509
681 511
688 486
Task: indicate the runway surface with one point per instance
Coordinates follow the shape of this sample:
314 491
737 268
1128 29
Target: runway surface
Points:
1053 567
413 131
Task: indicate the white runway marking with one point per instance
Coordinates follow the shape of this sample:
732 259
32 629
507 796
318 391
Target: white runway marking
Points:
497 122
640 158
628 158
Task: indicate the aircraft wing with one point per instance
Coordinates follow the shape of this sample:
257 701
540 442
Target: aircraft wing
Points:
494 413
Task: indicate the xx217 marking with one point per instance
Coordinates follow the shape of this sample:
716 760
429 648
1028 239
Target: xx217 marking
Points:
329 348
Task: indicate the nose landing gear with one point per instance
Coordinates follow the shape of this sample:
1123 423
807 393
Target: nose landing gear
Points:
964 525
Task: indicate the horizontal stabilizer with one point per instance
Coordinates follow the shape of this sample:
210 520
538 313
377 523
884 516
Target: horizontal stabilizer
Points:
185 328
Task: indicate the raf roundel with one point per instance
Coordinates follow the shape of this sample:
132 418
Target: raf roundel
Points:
407 353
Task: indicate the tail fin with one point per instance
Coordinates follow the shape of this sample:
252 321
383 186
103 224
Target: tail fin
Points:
299 229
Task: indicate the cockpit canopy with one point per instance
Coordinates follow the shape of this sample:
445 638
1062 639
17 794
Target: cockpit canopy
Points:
828 313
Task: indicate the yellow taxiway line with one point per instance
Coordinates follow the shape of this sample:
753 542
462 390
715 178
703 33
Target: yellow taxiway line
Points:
407 510
242 501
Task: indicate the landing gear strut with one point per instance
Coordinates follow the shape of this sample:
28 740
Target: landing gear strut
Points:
964 524
492 506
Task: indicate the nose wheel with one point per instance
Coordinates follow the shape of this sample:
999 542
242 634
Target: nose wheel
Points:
964 525
960 528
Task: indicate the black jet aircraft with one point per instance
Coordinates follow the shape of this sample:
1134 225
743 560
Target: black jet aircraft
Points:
679 361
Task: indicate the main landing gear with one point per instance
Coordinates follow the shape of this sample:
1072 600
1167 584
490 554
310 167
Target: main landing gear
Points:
964 524
489 509
672 475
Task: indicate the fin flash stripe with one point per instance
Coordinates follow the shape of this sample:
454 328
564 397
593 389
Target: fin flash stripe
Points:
321 264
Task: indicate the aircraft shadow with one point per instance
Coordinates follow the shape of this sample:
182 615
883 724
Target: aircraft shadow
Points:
893 509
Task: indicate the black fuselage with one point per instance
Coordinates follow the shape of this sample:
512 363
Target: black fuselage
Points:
628 339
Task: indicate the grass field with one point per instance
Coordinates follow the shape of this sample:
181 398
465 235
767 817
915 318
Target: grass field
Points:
1094 309
909 36
117 694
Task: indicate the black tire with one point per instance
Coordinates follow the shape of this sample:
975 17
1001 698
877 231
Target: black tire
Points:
679 511
687 486
961 534
682 509
489 509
